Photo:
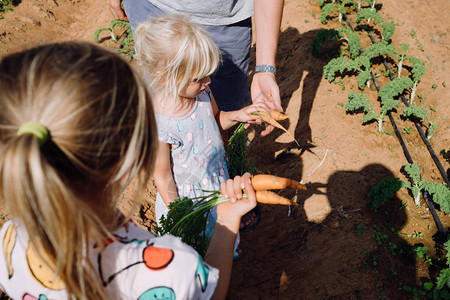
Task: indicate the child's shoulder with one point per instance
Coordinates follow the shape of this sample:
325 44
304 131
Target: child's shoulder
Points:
205 96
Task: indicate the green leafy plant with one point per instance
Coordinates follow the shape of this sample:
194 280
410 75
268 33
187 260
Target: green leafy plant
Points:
394 88
407 130
416 184
5 6
327 10
401 57
359 3
353 42
388 31
324 38
359 229
359 103
343 64
237 153
378 49
422 114
444 274
439 192
387 94
384 191
416 235
421 252
339 64
187 219
418 69
378 235
368 14
125 39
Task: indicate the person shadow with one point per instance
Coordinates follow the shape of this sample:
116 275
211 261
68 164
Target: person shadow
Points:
350 252
299 74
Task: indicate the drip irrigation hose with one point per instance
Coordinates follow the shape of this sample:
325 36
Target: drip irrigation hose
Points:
425 194
405 101
417 124
440 227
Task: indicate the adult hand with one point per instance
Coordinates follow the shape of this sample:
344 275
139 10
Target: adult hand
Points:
265 88
116 9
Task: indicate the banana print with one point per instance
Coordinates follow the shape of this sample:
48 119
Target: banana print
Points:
42 269
9 241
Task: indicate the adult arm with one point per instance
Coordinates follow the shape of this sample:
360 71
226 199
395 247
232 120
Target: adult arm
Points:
163 175
116 10
221 246
264 87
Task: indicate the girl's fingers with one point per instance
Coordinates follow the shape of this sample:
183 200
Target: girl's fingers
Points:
251 196
230 190
223 189
237 187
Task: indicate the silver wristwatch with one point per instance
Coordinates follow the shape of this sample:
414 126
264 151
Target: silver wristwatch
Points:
266 68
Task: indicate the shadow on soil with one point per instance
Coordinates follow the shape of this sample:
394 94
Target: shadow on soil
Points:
354 253
296 68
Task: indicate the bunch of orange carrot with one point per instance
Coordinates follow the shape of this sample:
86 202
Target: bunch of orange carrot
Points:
263 183
187 219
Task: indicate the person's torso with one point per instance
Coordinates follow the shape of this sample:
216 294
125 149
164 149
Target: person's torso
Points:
213 12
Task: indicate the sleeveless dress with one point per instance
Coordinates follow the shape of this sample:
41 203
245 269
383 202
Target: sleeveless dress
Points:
198 154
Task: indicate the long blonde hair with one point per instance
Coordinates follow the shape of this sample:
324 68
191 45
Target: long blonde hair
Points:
172 51
102 134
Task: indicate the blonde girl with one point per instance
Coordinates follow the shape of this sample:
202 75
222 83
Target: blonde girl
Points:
76 127
177 58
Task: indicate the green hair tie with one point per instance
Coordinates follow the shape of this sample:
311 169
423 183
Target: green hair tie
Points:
36 129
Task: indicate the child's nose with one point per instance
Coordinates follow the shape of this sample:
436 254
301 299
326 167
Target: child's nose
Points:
206 80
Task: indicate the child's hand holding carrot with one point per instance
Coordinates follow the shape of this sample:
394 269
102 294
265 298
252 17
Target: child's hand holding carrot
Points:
230 213
249 114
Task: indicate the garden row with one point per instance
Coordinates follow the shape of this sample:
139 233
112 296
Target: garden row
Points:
398 94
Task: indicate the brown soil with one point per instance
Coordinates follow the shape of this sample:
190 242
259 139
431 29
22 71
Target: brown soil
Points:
328 246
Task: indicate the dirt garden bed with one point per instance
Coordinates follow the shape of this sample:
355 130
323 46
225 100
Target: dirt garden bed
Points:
332 245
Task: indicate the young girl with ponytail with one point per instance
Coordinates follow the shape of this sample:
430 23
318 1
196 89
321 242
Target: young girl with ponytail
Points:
76 128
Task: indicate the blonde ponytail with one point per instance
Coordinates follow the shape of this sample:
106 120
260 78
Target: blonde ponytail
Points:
101 135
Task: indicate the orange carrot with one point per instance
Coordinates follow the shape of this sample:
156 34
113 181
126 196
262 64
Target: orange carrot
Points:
269 197
269 182
278 116
266 117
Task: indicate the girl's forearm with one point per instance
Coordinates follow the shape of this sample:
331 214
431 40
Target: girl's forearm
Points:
167 189
226 119
220 253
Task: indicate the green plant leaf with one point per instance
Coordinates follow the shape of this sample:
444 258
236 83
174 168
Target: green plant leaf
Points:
383 191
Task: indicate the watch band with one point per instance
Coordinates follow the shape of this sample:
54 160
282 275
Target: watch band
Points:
266 68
